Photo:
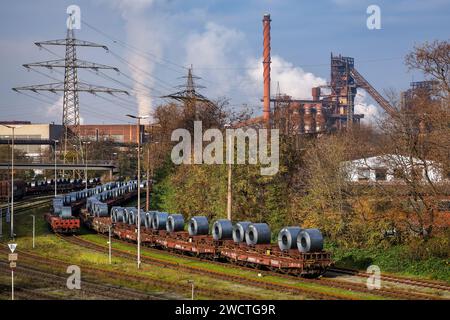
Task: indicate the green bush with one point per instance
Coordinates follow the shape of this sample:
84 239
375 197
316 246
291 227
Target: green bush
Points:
438 246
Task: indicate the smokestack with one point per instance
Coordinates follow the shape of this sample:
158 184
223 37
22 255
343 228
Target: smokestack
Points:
266 65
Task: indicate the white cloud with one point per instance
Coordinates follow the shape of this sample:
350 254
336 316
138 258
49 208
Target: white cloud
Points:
215 49
54 111
131 5
222 55
293 80
371 112
218 51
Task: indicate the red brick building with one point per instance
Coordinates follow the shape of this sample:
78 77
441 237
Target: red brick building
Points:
123 133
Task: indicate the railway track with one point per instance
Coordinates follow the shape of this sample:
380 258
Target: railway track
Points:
26 205
25 201
339 284
26 294
59 281
396 279
182 288
260 283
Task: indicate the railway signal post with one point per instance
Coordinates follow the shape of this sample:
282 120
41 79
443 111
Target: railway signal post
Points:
12 258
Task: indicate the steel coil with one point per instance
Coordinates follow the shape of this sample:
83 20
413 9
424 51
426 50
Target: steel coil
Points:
102 210
132 216
149 217
257 233
175 222
143 218
222 230
198 225
239 230
127 212
159 221
310 240
118 214
287 238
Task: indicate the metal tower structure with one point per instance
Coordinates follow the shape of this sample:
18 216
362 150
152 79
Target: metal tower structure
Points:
189 95
71 85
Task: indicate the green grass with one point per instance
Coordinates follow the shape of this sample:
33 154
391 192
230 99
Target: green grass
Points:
393 260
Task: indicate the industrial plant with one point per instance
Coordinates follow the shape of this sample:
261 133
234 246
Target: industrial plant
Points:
353 211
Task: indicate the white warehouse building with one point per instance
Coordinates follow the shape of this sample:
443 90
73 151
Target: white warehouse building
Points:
391 167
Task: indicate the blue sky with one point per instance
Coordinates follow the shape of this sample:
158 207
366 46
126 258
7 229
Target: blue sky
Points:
221 38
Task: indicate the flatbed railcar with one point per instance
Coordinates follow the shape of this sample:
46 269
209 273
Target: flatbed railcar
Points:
62 185
102 224
74 202
61 225
259 256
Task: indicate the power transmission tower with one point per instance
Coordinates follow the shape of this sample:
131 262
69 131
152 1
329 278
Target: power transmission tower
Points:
189 95
71 85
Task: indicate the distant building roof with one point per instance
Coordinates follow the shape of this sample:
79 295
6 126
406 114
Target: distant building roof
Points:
15 122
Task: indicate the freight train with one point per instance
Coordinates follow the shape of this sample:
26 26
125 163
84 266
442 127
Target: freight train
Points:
298 251
19 189
62 216
41 187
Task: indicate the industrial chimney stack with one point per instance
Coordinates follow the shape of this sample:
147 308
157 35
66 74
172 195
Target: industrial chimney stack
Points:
266 72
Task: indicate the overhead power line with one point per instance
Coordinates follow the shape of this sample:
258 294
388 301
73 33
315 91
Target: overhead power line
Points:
148 54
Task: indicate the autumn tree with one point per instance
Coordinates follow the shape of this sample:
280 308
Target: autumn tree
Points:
417 141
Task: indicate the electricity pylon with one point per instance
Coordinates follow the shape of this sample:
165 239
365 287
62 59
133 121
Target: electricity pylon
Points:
189 95
71 85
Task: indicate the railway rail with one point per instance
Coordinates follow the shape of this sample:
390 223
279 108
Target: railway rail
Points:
29 202
340 284
396 279
265 284
95 289
182 288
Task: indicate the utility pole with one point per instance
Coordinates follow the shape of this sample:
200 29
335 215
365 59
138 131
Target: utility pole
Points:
86 143
229 194
109 243
12 186
139 185
56 187
34 227
12 177
12 284
147 200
